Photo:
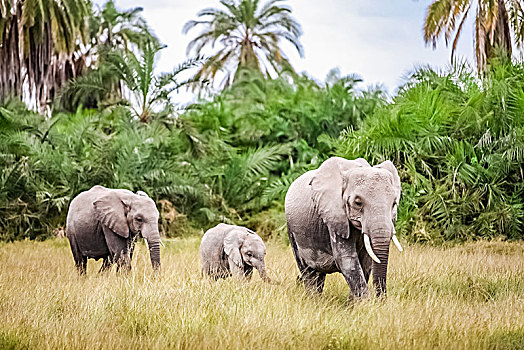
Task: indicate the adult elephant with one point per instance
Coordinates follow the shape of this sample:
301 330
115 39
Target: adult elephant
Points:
340 218
104 223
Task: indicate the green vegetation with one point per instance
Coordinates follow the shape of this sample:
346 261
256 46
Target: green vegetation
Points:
466 297
457 140
40 44
459 146
221 160
496 22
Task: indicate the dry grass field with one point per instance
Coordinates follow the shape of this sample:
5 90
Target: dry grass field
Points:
464 297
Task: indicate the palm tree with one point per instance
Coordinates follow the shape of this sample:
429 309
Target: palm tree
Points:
111 28
148 94
250 37
38 39
492 25
113 34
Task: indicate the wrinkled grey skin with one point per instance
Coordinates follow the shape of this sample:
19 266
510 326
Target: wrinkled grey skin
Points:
228 250
327 212
103 223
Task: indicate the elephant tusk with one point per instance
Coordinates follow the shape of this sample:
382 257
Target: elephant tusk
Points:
367 243
162 244
397 243
147 244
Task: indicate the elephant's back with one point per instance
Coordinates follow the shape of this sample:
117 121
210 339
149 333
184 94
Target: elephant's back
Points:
212 242
299 202
301 216
81 211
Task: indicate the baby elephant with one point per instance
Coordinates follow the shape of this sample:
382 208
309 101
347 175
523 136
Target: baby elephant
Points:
228 250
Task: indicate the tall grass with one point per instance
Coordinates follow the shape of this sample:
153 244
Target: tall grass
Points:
467 296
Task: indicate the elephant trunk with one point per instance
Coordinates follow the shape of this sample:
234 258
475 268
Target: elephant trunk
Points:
154 253
261 268
381 249
153 242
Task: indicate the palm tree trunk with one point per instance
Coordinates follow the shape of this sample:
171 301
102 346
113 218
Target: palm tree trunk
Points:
10 72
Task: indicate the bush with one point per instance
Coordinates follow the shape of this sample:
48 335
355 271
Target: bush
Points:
459 146
223 160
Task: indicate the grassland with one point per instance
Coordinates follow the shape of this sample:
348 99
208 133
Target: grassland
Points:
462 297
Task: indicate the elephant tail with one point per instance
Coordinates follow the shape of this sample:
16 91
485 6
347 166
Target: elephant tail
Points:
300 263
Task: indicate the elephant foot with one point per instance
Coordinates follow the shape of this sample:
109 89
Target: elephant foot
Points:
106 265
359 292
353 299
81 265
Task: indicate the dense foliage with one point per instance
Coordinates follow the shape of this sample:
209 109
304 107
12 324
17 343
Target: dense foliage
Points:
457 140
459 144
225 159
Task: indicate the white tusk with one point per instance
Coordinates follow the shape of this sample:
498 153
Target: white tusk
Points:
147 244
367 243
397 243
162 244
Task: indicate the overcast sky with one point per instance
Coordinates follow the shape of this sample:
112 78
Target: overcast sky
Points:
380 40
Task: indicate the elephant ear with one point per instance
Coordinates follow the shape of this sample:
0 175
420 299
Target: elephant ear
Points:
388 165
111 211
232 244
327 191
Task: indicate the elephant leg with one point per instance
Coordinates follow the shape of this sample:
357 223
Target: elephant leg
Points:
365 260
312 279
119 249
346 258
123 261
220 273
106 264
131 247
80 260
235 270
81 265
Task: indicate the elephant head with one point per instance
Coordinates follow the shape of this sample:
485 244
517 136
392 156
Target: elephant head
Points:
352 193
127 213
244 246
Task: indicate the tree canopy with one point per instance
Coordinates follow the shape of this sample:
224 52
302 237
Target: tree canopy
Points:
247 35
494 22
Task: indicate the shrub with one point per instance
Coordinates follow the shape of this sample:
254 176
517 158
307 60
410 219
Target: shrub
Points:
459 146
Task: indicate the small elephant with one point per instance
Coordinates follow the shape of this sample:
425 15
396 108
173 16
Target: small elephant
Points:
340 218
104 223
228 250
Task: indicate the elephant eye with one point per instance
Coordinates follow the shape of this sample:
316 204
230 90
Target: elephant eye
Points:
358 202
138 219
249 254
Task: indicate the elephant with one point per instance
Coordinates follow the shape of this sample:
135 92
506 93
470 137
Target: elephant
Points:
104 223
340 218
228 250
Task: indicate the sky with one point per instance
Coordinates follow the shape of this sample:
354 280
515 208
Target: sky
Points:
379 40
